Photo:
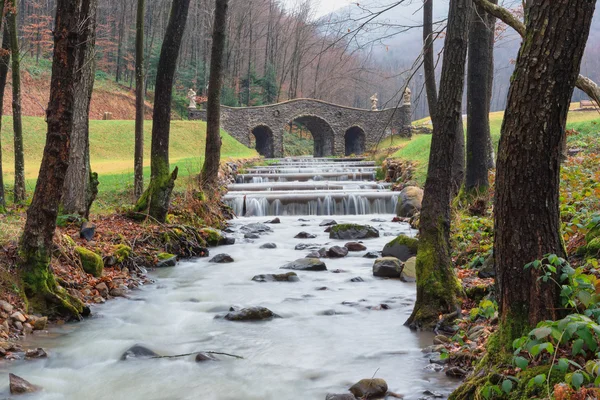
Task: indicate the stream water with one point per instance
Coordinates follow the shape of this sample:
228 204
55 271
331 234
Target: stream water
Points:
326 340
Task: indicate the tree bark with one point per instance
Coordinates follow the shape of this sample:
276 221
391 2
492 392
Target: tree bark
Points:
43 293
212 160
437 286
428 59
139 101
11 19
157 198
81 185
527 217
479 96
588 86
4 60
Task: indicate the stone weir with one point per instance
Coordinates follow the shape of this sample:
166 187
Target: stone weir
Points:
277 190
336 130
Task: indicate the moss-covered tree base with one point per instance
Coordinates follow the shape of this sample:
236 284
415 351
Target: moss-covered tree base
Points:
156 199
44 295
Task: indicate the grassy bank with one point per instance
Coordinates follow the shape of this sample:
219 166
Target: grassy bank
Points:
586 123
111 151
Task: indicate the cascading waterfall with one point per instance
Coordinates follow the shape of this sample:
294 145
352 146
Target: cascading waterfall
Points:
311 187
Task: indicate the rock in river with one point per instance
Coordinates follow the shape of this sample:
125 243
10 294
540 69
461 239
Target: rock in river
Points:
274 221
138 352
337 252
372 254
251 314
268 246
19 385
203 357
387 267
347 396
409 201
353 232
403 248
221 259
369 388
328 222
306 264
355 246
305 235
289 277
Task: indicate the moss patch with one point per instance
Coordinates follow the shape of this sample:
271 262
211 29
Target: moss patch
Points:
403 240
122 252
164 256
212 236
91 262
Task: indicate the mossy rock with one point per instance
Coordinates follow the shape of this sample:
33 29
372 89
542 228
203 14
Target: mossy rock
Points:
91 262
403 248
593 247
69 240
122 252
593 233
166 260
213 237
353 232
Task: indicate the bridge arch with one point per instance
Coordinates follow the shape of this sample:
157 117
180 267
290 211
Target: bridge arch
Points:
264 140
321 131
355 140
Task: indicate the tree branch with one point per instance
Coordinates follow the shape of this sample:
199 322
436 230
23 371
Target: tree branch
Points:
587 85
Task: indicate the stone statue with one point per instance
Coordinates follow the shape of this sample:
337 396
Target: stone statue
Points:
192 96
374 101
407 95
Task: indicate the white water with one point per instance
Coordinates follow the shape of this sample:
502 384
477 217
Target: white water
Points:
303 355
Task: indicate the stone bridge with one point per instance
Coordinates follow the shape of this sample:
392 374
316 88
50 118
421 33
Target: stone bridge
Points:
337 130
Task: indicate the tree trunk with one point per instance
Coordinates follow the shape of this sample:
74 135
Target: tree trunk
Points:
4 60
458 161
11 19
212 160
157 198
43 293
527 217
428 58
437 286
139 101
81 185
479 95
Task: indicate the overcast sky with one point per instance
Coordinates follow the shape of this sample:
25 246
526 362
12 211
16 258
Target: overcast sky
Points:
322 7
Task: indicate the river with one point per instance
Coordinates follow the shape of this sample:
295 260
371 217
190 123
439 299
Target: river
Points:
332 331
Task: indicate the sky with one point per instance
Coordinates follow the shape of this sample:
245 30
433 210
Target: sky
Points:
321 7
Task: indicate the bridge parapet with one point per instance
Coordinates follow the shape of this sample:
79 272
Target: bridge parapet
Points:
337 130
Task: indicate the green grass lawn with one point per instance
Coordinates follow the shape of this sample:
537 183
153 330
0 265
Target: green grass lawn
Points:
417 150
111 151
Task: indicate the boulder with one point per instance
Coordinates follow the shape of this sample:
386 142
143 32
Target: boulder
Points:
289 277
6 307
337 252
40 323
256 227
409 201
306 264
357 279
387 267
138 352
310 246
409 272
166 260
274 221
355 246
369 388
313 254
215 237
347 396
252 235
91 262
36 353
328 222
87 231
403 248
102 289
268 246
19 385
305 235
118 292
487 269
372 254
203 357
221 259
251 314
353 232
18 316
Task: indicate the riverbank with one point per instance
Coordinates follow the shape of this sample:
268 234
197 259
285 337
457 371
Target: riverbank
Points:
109 255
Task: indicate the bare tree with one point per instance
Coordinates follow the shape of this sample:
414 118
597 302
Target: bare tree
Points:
212 155
140 105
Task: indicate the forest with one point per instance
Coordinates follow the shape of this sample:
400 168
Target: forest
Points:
249 199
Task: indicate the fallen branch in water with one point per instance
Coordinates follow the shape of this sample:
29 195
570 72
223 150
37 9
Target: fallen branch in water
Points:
201 352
